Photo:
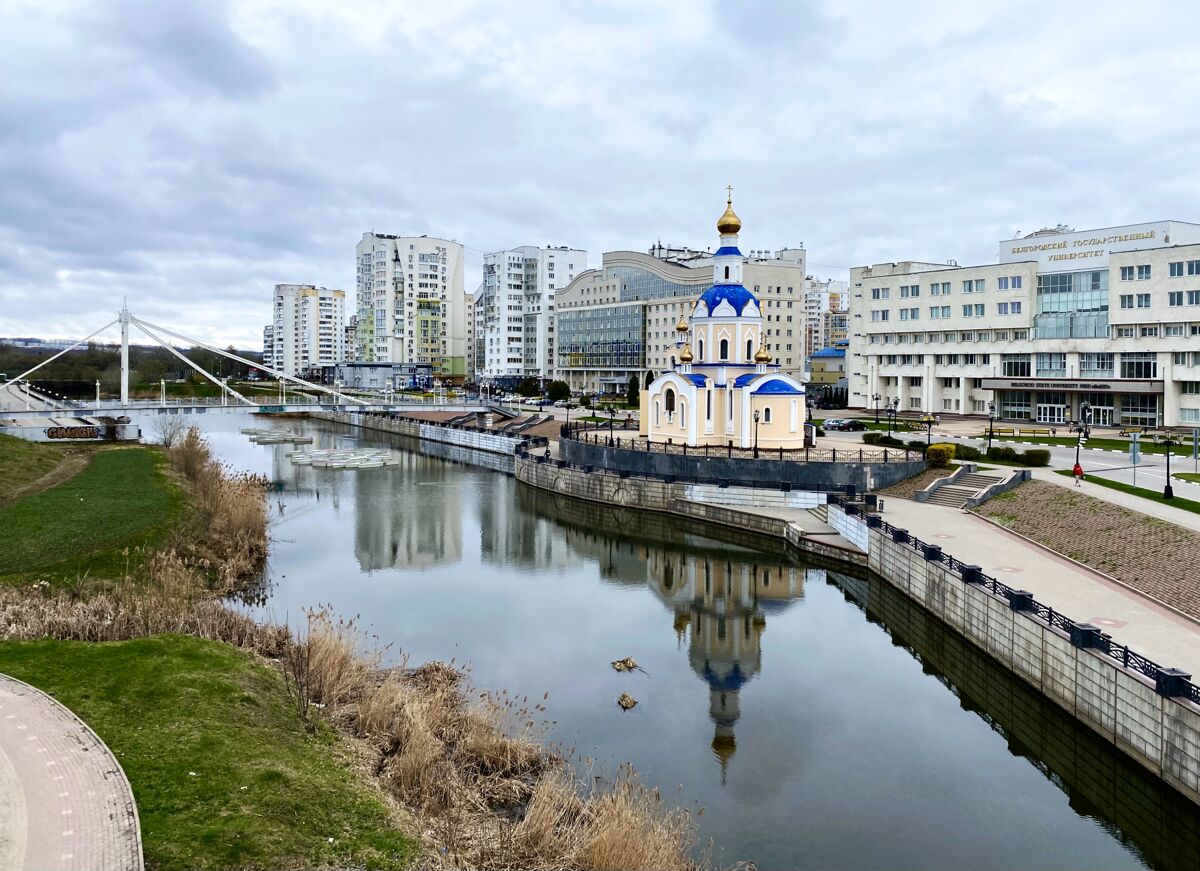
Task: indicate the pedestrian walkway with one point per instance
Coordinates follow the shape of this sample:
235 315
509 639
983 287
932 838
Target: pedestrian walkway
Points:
1151 629
65 804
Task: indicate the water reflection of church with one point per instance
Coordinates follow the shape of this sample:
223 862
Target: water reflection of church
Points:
720 606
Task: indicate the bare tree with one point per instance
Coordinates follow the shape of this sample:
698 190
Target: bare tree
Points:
169 428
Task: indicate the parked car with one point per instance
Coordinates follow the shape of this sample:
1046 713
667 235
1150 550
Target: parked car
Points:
562 403
844 423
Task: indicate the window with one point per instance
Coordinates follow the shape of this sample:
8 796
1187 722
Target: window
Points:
1193 297
880 292
1143 300
1175 297
669 402
1193 267
916 381
968 286
1143 272
1173 329
909 314
1015 365
725 342
1127 273
1127 300
1139 409
767 414
1002 283
939 288
1149 331
1176 269
1096 365
876 315
1140 364
979 310
967 310
1051 365
1014 282
1124 332
1191 388
749 350
914 402
1002 308
1179 358
910 290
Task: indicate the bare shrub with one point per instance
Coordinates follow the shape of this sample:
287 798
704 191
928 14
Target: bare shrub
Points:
190 453
169 428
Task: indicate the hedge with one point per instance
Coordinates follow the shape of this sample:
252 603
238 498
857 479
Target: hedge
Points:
940 455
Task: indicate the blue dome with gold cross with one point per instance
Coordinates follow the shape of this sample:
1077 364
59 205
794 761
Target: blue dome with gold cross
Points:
735 294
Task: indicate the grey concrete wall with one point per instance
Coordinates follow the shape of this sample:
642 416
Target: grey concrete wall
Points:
1163 734
805 476
653 495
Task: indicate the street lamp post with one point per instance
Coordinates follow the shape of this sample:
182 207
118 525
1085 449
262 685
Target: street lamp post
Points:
929 421
876 399
1168 491
612 416
991 425
97 393
1085 429
756 433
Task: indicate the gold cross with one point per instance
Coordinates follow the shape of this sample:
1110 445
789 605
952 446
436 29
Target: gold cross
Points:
729 191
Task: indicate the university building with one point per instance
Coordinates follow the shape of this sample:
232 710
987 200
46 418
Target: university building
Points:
1110 317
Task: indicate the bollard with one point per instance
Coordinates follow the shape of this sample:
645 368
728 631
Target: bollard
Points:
933 552
900 536
972 574
874 521
1085 635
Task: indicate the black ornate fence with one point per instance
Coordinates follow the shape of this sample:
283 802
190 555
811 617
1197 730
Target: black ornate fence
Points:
617 436
1170 682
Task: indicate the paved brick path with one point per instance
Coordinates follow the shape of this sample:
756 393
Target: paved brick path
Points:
64 802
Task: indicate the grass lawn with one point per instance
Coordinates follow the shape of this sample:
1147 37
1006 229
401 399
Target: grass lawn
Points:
224 773
1152 495
121 500
1179 449
1190 477
22 463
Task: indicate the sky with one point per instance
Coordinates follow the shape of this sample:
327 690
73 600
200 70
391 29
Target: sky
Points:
187 155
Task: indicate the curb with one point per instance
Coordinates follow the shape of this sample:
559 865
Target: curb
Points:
1095 571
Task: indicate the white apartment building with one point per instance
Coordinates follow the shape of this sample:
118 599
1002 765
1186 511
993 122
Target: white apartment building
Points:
514 318
308 328
411 302
619 320
820 298
1109 316
470 374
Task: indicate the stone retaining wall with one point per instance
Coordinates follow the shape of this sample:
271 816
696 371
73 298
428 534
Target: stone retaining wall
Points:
1163 734
821 476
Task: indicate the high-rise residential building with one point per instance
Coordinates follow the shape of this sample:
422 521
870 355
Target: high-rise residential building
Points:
515 310
835 327
470 374
351 339
308 328
268 344
821 297
1109 317
619 320
411 302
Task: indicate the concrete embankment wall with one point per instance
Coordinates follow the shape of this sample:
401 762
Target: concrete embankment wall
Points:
823 476
1123 706
648 494
478 440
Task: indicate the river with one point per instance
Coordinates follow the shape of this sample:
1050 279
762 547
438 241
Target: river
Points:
818 718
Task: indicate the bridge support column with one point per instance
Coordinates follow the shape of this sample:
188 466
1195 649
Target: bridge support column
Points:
125 357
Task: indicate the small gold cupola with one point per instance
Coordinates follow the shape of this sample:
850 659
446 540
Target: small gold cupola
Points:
729 224
685 356
682 325
762 355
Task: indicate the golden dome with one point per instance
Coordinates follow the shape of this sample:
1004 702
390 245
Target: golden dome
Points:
729 223
723 747
762 355
685 356
682 326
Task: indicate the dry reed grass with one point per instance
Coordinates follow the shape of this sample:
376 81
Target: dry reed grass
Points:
229 538
471 767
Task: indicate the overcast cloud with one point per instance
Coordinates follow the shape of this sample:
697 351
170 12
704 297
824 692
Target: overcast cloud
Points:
190 155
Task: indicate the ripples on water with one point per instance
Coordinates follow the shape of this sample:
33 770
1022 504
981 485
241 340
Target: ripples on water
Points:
821 719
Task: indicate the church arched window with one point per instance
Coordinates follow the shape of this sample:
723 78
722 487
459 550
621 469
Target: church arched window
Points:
767 414
724 349
726 273
669 401
700 349
749 350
